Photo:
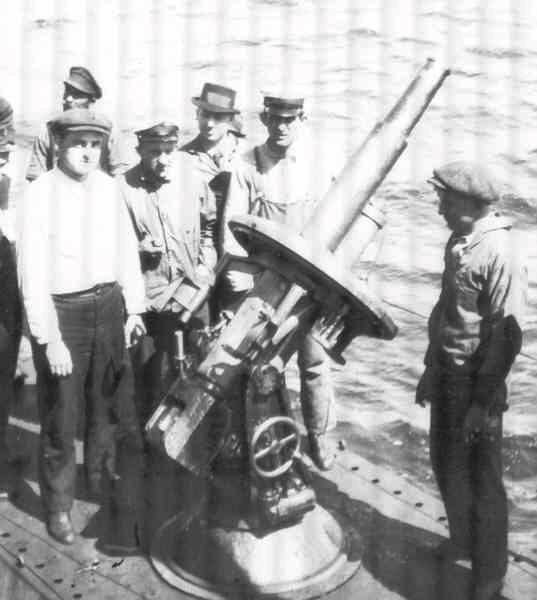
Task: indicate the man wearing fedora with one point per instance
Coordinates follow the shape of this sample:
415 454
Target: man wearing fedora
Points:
10 305
282 180
83 292
474 337
81 90
216 150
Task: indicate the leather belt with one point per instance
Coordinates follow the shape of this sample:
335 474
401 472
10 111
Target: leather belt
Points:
96 290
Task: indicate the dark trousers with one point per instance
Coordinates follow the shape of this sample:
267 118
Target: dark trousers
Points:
92 328
470 480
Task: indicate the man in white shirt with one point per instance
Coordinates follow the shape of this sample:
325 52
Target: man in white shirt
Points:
282 180
79 268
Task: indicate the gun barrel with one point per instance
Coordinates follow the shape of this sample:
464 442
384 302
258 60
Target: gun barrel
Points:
371 162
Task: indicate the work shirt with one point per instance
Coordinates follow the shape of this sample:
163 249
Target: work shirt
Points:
215 166
43 156
175 218
282 189
474 329
73 236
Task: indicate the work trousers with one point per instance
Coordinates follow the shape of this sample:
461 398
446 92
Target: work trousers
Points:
470 480
92 328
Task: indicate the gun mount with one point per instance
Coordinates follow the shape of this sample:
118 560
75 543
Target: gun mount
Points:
262 533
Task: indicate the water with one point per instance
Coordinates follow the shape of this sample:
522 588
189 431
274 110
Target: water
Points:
351 59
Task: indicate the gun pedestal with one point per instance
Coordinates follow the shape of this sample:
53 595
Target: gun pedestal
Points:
260 531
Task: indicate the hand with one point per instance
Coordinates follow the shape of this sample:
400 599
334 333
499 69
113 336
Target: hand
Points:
204 275
479 424
240 281
427 387
59 359
134 329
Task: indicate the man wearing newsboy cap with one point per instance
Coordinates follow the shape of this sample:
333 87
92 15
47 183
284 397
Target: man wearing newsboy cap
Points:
79 268
474 337
81 90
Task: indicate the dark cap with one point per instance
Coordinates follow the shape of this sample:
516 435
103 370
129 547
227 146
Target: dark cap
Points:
7 131
217 98
469 179
80 119
283 107
82 80
161 132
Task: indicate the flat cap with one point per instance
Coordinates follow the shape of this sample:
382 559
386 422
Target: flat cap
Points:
469 179
7 131
82 80
217 99
161 132
80 119
283 106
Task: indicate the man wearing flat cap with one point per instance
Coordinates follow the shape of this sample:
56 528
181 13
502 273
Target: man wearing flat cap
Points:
217 146
10 305
81 90
83 293
474 337
170 211
282 180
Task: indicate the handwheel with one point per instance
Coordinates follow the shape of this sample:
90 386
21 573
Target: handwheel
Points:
277 437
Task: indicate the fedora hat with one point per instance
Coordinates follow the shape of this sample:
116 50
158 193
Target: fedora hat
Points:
217 99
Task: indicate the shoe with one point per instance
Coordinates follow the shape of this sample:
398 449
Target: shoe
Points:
487 590
450 551
60 527
121 537
320 452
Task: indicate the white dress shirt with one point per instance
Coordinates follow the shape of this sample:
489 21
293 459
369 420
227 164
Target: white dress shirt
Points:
74 235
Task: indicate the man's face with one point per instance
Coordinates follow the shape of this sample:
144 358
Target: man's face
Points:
282 131
73 98
460 212
157 157
79 152
213 126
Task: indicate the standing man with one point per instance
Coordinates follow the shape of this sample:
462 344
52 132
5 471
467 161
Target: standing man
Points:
10 305
81 90
79 269
474 337
282 181
217 146
172 213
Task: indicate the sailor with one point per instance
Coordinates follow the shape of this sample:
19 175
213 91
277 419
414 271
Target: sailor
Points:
217 147
79 268
172 213
282 180
81 90
10 305
474 337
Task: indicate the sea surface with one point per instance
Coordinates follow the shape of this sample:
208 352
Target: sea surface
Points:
351 60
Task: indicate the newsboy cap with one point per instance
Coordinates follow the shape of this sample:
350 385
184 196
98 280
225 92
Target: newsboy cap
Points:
7 131
80 119
161 132
283 106
469 179
82 80
217 99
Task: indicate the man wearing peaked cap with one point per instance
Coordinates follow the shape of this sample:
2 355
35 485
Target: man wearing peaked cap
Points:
81 90
474 337
217 146
83 293
10 305
282 180
167 202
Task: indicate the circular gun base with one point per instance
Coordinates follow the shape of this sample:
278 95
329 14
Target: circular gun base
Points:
217 557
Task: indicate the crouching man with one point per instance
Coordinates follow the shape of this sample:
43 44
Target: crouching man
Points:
474 337
80 272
